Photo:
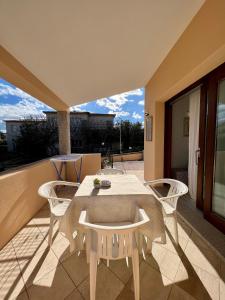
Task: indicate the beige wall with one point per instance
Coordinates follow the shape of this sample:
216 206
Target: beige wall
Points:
19 200
199 50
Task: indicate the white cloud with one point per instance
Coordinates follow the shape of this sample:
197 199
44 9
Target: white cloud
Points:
120 114
136 116
141 102
26 105
115 103
79 107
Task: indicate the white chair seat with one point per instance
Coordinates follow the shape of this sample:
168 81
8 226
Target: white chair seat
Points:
60 209
58 205
168 209
169 202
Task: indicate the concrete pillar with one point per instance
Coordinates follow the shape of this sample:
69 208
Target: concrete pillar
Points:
63 120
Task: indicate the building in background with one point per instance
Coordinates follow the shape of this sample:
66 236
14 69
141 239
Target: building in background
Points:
78 121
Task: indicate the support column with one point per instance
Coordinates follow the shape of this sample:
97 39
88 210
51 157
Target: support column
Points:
63 120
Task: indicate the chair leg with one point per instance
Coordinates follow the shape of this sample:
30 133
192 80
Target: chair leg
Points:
175 228
93 275
88 247
136 275
52 219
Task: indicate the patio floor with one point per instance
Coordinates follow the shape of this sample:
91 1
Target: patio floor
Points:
29 270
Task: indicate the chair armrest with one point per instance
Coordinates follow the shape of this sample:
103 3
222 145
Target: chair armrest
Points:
83 221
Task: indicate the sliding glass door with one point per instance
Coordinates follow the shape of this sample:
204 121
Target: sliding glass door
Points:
214 204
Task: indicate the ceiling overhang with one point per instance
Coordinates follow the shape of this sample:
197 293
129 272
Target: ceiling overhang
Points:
84 50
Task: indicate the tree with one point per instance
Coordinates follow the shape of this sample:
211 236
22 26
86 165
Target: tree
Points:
38 138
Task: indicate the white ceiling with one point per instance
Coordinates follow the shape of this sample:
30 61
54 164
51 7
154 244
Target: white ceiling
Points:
83 50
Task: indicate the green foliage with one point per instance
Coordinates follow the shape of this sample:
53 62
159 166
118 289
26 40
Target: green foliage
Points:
38 138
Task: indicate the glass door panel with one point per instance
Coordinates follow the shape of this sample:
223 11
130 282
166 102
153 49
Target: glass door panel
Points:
218 193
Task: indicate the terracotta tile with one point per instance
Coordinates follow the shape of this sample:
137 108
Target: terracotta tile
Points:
77 267
153 285
75 295
56 285
11 284
119 267
197 282
202 256
34 269
108 285
8 259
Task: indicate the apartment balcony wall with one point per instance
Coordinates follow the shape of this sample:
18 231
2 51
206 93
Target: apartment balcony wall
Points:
19 200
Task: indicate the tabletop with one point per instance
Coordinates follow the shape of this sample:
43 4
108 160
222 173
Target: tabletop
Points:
126 184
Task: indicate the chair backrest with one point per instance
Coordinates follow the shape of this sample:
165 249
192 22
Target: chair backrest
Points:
110 171
113 242
176 190
47 190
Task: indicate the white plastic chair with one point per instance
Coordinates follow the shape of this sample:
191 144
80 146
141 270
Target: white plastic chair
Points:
112 243
169 202
110 171
58 206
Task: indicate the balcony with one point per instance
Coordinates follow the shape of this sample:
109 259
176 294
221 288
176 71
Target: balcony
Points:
30 270
67 55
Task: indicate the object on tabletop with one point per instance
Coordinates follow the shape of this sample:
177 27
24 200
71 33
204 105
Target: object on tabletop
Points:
105 183
97 183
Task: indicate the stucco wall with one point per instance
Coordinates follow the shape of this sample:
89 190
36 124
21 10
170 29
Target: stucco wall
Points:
200 49
19 200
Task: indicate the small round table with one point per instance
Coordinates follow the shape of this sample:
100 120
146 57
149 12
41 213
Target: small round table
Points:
63 159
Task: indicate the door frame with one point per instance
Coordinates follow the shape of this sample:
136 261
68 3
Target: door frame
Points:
202 83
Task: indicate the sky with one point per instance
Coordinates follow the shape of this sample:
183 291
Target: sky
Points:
16 104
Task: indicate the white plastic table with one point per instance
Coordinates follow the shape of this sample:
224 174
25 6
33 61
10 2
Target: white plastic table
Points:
112 205
62 160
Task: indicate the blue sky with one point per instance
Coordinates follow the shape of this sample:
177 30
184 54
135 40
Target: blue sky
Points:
16 104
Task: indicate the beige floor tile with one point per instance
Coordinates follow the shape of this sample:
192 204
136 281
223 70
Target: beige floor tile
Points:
108 285
126 294
184 230
75 295
199 254
8 259
171 246
11 284
156 256
61 248
77 267
29 242
34 269
169 265
119 267
22 296
222 280
153 285
197 282
54 285
177 294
